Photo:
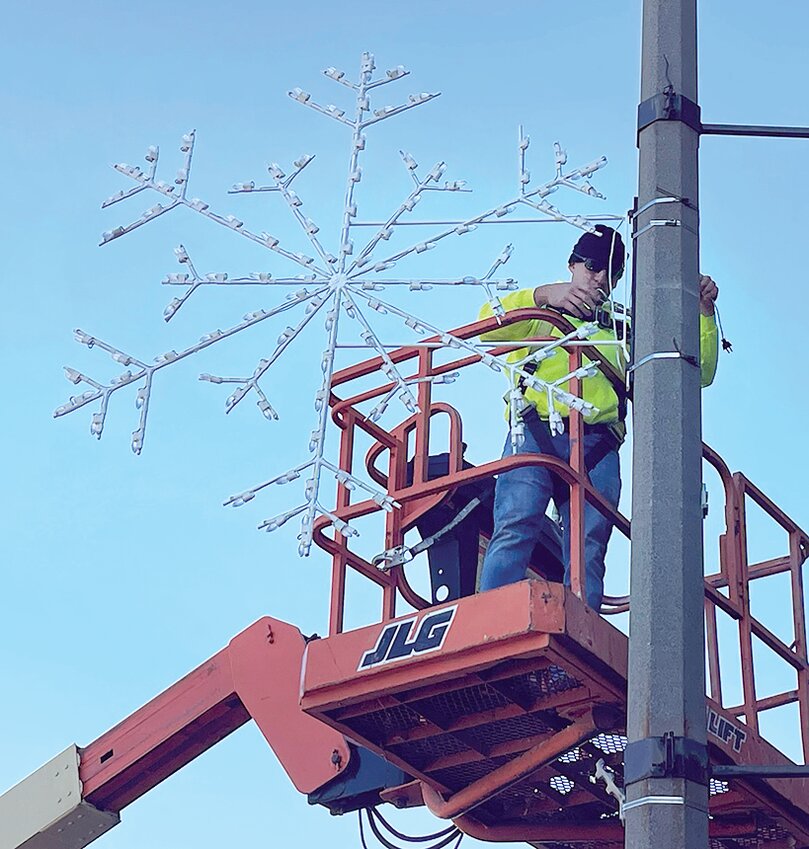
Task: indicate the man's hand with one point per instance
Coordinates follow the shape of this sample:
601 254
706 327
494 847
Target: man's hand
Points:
579 298
708 293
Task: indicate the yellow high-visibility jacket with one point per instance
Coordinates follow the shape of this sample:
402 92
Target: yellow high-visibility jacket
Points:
597 390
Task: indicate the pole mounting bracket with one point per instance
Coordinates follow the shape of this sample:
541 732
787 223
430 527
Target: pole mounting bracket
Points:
669 106
729 771
668 756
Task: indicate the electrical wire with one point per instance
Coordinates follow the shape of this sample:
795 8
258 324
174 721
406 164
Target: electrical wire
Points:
726 345
443 838
421 839
362 833
622 337
381 837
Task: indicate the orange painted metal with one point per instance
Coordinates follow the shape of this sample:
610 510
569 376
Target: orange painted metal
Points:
411 441
266 663
605 834
736 575
256 676
522 632
162 736
791 796
511 772
498 642
482 626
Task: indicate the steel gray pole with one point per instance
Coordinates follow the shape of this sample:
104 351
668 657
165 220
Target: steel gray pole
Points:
666 698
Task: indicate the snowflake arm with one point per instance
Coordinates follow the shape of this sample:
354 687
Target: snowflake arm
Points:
194 280
497 307
147 181
295 203
317 446
250 186
385 231
351 483
424 284
330 111
382 404
286 338
389 111
569 180
248 495
276 521
146 372
360 122
513 371
339 77
388 367
391 75
311 508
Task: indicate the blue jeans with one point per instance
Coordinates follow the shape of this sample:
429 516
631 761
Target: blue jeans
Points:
522 496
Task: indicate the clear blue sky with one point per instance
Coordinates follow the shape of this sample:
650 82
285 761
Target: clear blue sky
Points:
123 573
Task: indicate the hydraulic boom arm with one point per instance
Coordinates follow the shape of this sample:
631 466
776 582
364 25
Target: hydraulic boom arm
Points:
78 796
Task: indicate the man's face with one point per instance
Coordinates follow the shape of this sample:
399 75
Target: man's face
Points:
579 273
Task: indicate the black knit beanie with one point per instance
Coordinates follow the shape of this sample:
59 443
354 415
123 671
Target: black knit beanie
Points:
600 247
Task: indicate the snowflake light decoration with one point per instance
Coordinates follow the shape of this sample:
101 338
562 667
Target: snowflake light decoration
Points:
341 283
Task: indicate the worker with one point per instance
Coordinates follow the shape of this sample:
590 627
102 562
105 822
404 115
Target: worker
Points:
522 494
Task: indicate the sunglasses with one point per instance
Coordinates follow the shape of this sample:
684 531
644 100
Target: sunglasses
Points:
595 266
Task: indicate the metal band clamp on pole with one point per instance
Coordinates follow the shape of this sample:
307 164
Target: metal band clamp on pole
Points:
652 800
660 355
662 222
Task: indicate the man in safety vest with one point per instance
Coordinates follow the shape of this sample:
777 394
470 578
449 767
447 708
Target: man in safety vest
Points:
522 495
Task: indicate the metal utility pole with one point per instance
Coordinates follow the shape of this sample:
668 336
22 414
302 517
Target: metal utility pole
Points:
666 759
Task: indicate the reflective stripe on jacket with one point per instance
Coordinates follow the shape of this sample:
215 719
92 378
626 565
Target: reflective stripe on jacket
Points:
597 390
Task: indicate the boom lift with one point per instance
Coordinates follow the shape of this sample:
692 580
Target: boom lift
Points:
502 711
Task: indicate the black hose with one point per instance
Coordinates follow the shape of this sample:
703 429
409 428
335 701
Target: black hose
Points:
453 833
422 839
362 833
